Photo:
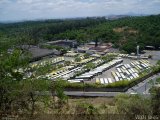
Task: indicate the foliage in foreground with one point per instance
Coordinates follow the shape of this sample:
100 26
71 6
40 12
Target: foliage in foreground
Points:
17 91
19 96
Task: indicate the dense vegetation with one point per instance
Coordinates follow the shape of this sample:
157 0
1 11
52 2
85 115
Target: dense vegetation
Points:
125 33
34 32
23 94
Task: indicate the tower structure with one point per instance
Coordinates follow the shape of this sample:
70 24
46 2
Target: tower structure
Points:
138 55
138 50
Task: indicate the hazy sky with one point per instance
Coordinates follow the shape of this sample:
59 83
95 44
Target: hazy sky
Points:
13 10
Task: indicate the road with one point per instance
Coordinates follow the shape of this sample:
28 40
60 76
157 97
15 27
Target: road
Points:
143 87
92 94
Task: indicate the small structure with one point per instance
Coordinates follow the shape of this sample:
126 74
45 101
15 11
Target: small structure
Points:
64 43
149 47
95 47
138 50
82 49
39 53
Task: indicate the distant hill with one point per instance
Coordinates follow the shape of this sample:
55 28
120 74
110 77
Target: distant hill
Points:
115 17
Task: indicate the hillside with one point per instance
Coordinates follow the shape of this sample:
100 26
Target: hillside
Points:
125 33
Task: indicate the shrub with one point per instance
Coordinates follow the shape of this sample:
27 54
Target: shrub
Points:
133 105
119 84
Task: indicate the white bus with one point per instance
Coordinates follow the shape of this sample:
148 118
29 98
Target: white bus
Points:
116 78
127 72
123 76
101 80
136 74
110 80
132 70
105 80
123 68
119 70
118 74
131 77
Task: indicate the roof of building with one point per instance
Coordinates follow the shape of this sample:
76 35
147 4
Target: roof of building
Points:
61 41
99 48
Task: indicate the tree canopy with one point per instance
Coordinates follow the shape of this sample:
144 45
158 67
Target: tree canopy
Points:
125 33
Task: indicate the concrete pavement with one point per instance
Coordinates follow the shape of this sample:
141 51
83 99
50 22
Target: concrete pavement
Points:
143 87
92 94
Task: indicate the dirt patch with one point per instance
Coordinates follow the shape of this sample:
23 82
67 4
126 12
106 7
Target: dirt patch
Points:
125 29
119 30
95 101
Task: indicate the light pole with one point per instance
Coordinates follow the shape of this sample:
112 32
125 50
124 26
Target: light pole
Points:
138 55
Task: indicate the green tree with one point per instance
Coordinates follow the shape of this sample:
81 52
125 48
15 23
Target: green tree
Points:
86 55
108 57
87 110
18 91
132 105
155 98
57 89
10 75
67 63
78 59
89 66
32 91
129 47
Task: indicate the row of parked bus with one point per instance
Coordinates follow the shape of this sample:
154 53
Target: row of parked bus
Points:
141 65
47 61
125 74
99 70
67 72
104 80
130 71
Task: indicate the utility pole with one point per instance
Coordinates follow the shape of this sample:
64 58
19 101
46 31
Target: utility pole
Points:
138 55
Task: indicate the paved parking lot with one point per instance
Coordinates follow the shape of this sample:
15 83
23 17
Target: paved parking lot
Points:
155 54
107 74
143 87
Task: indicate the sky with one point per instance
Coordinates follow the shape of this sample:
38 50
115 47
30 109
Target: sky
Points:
18 10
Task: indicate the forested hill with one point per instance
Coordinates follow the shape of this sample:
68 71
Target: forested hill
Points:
34 32
125 33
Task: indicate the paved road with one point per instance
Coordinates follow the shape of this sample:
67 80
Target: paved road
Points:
143 87
93 94
84 94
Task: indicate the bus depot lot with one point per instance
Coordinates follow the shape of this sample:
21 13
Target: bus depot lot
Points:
108 74
101 74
